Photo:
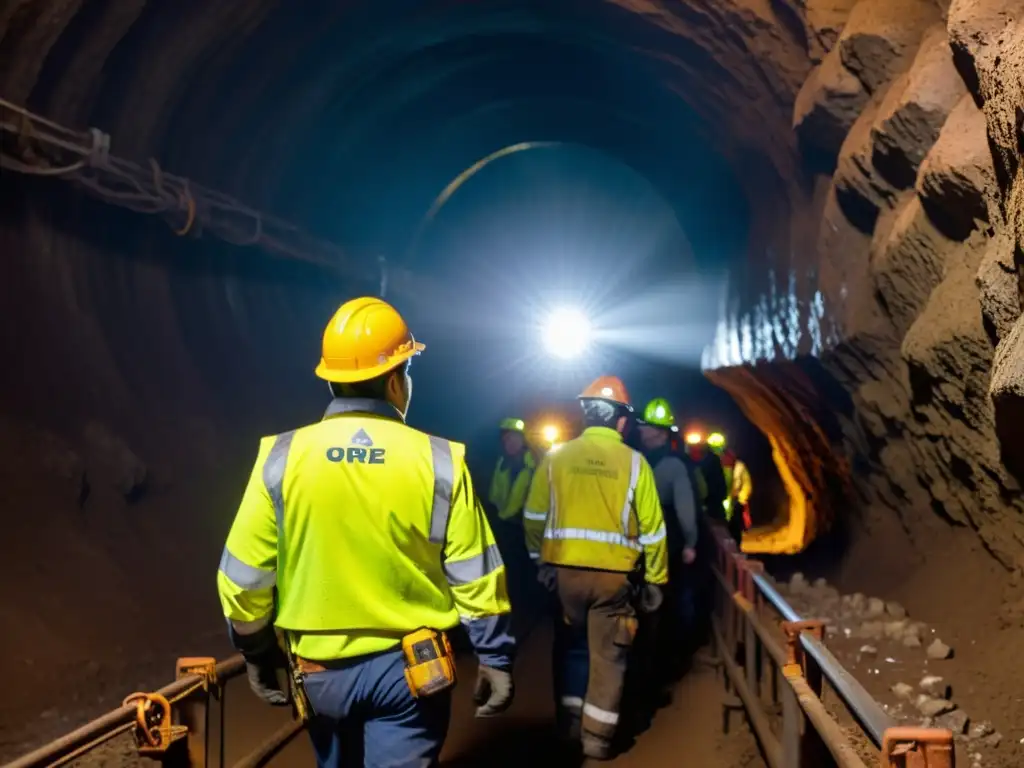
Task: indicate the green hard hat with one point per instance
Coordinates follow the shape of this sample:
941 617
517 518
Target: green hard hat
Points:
658 413
716 442
512 425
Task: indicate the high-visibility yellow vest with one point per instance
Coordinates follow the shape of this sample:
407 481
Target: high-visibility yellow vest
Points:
741 486
367 529
508 492
594 504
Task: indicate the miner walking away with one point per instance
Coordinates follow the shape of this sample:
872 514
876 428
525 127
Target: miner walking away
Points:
682 524
506 497
360 539
595 527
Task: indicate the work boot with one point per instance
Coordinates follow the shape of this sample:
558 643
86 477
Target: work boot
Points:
596 748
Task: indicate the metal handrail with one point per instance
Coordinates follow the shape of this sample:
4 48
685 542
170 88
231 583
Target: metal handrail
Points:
865 709
115 721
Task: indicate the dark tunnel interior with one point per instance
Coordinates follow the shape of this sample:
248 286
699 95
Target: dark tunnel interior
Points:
349 123
351 126
797 220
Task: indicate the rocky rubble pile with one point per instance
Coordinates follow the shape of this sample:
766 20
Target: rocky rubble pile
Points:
891 653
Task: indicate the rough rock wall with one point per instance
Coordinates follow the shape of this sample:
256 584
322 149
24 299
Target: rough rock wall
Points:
913 123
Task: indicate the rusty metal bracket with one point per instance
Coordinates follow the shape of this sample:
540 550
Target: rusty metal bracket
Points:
154 731
796 660
904 747
203 666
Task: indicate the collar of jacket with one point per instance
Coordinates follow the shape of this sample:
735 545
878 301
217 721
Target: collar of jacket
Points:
659 453
605 432
343 405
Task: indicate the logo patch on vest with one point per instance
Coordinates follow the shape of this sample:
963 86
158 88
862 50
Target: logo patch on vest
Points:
359 451
361 438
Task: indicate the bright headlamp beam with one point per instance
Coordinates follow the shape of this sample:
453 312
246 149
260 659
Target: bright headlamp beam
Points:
550 433
694 438
566 333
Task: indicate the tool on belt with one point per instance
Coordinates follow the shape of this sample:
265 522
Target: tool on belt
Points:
429 663
298 691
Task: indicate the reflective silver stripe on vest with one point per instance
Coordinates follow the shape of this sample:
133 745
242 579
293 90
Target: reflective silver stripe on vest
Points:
273 476
586 534
552 511
634 476
474 568
444 479
537 517
653 538
244 575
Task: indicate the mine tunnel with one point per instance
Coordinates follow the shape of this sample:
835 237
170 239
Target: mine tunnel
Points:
800 221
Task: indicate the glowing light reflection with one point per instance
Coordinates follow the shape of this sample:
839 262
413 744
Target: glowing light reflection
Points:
778 324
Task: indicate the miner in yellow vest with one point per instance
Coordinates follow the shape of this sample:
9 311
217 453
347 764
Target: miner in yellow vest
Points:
512 475
361 540
592 520
505 499
738 487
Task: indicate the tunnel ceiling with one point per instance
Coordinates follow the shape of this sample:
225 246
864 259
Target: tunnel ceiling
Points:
350 117
331 113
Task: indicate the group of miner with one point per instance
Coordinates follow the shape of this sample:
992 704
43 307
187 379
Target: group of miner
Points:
360 544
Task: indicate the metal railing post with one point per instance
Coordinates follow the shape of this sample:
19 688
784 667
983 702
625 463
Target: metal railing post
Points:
194 710
792 728
812 747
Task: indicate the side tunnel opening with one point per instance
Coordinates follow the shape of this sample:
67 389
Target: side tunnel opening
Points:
800 412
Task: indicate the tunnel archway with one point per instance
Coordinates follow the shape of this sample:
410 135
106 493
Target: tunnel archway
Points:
318 113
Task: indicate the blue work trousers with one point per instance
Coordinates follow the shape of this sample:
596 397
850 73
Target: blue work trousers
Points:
365 715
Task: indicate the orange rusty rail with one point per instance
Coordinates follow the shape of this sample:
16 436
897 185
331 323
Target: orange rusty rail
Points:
797 670
169 725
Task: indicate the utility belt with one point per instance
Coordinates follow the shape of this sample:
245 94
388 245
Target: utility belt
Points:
429 667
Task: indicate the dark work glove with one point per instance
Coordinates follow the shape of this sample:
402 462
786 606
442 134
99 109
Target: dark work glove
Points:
494 691
651 598
263 659
263 680
547 576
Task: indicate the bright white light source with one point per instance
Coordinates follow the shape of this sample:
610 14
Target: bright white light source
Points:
550 433
567 334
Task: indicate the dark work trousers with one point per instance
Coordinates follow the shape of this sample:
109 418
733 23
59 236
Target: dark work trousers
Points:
675 619
645 678
736 523
598 603
365 715
693 602
520 573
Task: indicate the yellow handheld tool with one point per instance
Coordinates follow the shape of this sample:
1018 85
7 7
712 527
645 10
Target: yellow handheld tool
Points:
429 664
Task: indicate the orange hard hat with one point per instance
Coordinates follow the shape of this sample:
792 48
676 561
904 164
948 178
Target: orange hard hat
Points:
365 339
608 388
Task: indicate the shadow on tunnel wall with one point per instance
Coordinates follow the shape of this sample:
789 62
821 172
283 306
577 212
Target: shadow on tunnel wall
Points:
186 345
804 414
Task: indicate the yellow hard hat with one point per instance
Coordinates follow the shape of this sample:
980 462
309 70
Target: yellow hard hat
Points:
365 339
